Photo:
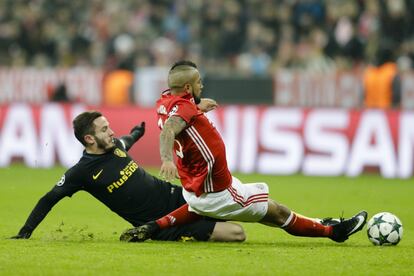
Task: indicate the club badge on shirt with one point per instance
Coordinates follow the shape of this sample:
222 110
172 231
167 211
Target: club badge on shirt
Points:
119 153
173 111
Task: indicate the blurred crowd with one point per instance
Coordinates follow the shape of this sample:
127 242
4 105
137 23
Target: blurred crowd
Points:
253 37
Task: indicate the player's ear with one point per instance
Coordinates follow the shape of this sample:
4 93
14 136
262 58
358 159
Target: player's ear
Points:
188 87
89 139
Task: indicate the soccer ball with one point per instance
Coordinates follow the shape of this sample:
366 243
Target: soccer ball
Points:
384 229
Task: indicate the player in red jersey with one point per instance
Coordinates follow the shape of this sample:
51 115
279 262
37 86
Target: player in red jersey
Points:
209 187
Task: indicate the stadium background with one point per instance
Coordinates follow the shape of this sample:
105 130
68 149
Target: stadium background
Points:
318 87
316 99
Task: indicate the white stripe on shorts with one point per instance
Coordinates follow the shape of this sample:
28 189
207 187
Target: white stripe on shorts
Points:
250 200
241 202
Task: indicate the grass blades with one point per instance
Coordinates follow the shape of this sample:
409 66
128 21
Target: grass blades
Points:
80 235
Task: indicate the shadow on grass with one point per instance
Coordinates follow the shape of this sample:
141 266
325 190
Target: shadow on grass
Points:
299 244
247 244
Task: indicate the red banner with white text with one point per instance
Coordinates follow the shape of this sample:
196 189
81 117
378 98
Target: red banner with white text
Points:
267 140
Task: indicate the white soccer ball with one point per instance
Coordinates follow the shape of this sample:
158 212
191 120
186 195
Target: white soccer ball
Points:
384 229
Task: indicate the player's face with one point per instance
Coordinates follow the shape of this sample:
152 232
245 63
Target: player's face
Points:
104 136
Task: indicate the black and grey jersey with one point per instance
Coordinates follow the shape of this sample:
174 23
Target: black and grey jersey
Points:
116 180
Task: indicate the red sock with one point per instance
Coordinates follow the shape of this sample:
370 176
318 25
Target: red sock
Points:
298 225
179 216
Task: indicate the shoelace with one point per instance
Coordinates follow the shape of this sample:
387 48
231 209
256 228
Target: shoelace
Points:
330 219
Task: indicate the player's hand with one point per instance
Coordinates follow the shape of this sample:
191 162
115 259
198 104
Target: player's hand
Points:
168 171
207 104
138 131
21 236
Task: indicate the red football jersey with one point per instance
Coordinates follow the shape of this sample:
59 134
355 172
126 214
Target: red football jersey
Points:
201 153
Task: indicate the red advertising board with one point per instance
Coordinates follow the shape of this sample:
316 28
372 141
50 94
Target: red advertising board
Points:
258 139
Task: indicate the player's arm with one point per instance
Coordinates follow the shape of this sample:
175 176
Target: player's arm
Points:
38 213
67 186
172 127
134 135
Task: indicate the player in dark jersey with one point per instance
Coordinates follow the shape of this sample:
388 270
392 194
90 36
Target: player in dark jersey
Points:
109 174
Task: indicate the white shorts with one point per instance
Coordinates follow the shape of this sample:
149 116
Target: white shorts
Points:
240 202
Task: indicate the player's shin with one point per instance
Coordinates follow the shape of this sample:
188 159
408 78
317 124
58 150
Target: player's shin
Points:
179 216
298 225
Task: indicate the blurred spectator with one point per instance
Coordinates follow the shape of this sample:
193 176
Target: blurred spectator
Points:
117 83
117 88
404 65
227 37
316 60
378 81
59 94
254 62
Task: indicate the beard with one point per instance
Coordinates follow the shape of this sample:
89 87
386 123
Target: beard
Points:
197 99
101 144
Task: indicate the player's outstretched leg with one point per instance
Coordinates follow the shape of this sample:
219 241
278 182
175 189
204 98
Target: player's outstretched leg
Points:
140 233
342 229
295 224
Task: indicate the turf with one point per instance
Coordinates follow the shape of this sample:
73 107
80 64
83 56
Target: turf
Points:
80 235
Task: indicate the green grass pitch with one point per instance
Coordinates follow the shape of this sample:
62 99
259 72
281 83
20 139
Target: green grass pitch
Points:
80 235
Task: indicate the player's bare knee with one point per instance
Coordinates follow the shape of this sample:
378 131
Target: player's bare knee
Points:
238 233
228 232
283 213
276 215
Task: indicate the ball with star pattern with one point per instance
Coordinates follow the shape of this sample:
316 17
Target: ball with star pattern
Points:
384 229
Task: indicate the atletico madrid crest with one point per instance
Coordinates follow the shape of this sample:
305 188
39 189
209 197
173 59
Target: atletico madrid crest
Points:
119 153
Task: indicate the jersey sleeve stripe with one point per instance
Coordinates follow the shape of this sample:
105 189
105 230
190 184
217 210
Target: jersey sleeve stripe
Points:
123 143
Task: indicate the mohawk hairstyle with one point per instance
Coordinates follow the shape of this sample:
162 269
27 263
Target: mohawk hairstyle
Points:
178 77
183 62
